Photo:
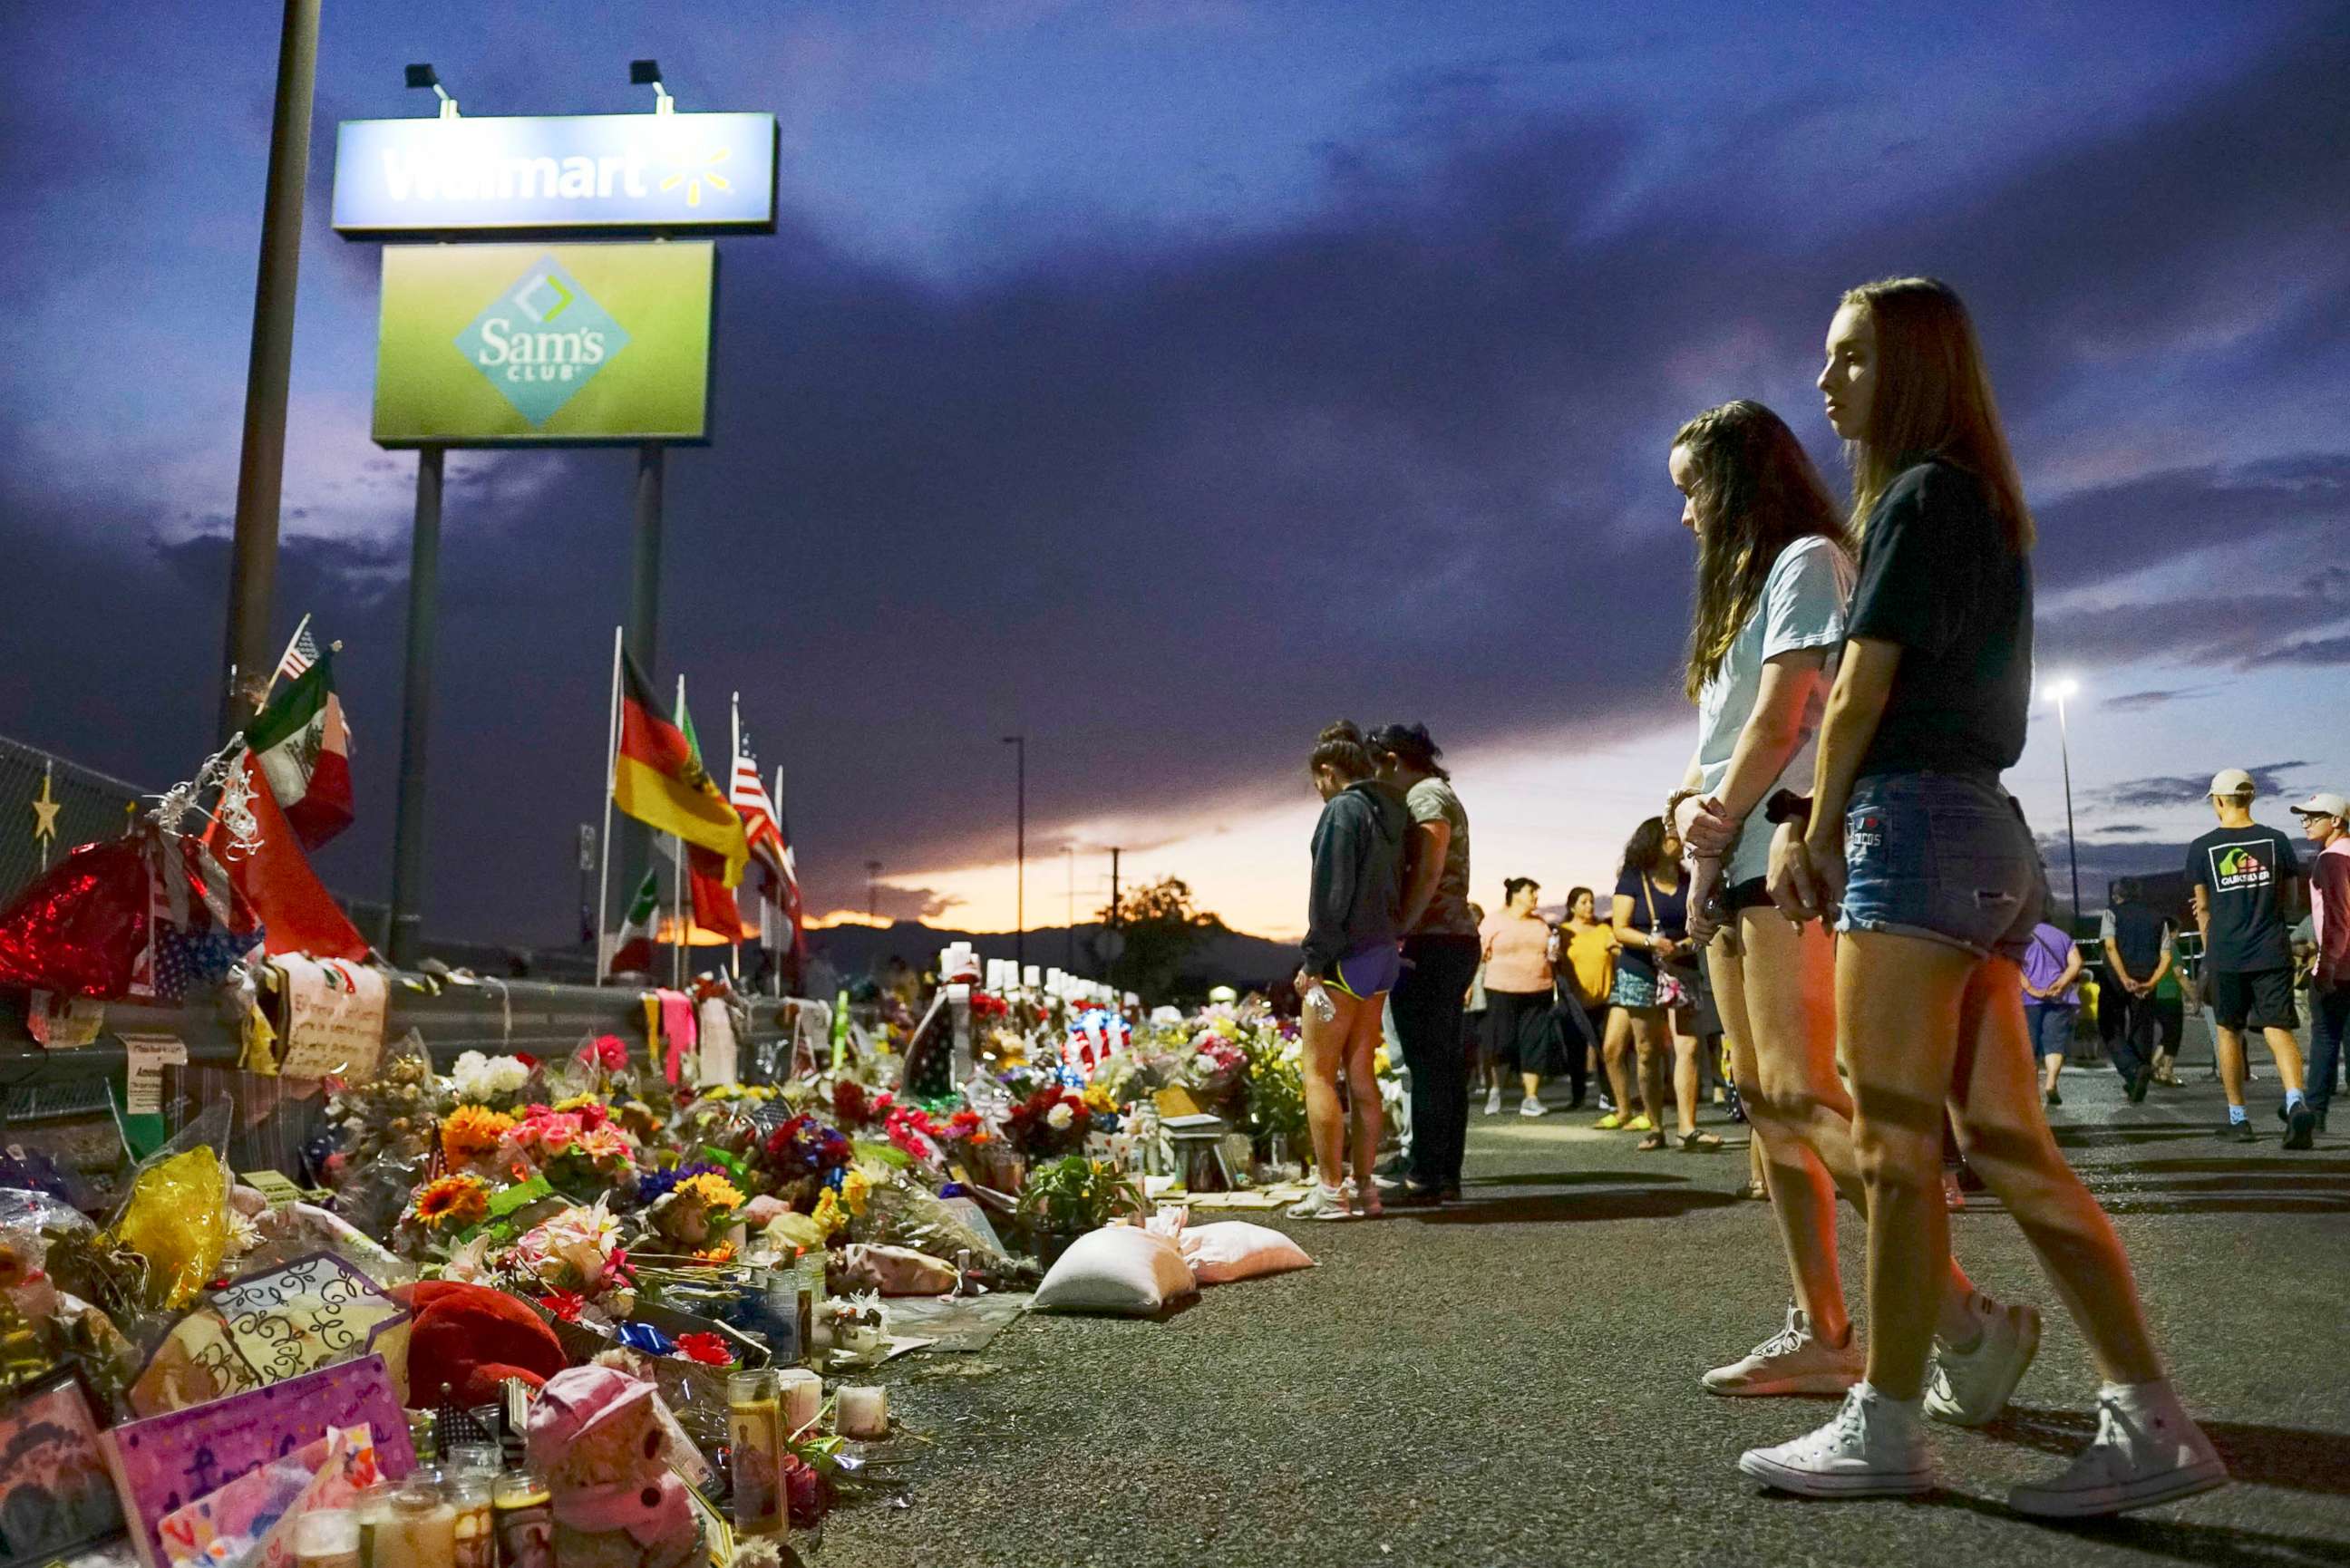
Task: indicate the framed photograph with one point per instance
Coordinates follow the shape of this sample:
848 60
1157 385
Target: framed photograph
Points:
54 1489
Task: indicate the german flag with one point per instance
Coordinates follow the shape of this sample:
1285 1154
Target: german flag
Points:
658 780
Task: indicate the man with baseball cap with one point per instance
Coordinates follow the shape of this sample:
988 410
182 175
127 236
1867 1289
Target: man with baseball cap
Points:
2246 881
2325 819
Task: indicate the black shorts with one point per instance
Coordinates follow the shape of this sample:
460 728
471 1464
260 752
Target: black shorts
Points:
2252 999
1751 894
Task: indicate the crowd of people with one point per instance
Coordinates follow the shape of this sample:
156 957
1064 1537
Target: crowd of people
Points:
1841 890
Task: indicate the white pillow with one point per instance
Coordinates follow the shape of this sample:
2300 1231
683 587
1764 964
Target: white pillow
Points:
1235 1250
1117 1268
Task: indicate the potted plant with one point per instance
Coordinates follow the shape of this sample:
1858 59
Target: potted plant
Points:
1068 1196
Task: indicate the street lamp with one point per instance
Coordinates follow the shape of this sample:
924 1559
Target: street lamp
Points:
421 76
1020 852
2059 691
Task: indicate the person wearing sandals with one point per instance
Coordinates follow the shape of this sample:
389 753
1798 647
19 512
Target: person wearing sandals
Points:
1351 958
1933 877
1520 1021
1773 575
1650 913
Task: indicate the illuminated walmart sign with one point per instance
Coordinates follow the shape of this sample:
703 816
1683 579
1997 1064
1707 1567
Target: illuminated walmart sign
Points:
556 172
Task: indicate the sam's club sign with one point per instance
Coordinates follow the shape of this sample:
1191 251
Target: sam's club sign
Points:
518 345
553 172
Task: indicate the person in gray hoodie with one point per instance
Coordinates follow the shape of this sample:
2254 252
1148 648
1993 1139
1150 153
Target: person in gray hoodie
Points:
1354 925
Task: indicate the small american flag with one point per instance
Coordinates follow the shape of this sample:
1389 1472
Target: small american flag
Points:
300 654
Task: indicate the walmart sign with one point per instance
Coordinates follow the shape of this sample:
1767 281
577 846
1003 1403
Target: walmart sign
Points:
552 172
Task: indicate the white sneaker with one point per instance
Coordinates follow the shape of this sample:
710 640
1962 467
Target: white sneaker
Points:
1792 1361
2148 1450
1876 1446
1321 1203
1969 1388
1493 1101
1532 1105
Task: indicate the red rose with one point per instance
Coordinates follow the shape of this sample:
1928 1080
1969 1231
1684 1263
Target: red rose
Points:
809 1493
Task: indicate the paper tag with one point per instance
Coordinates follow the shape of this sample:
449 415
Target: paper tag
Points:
62 1023
273 1185
149 1055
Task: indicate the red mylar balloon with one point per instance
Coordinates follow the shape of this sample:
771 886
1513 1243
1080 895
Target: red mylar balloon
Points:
79 927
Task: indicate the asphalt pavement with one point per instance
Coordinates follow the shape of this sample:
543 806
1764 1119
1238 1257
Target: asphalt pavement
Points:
1513 1380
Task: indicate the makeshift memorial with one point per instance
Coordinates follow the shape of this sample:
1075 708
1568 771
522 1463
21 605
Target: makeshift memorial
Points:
755 1438
470 1339
332 1017
1070 1196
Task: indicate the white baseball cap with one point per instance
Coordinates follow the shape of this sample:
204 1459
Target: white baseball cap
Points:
2230 781
2325 803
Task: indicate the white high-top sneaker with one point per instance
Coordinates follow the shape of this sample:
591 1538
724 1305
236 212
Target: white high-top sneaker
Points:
1969 1388
2148 1450
1876 1446
1792 1361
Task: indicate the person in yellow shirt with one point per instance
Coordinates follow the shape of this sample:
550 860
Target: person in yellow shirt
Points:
1585 949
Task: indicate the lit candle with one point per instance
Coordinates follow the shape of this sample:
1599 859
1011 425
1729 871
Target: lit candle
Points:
803 1399
864 1411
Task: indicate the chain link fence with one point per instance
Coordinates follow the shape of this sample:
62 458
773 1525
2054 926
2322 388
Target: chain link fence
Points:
39 790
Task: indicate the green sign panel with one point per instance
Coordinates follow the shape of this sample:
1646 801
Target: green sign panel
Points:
544 344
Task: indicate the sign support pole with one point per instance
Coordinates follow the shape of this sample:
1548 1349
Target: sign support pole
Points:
636 841
416 713
261 462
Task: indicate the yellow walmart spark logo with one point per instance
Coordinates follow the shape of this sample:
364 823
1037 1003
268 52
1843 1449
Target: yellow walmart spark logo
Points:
695 174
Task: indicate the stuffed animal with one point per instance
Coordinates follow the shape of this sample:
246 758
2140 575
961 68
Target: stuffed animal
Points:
596 1437
471 1338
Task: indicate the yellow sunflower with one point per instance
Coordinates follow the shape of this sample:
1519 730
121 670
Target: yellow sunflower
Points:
722 1254
829 1216
856 1191
472 1132
457 1200
714 1190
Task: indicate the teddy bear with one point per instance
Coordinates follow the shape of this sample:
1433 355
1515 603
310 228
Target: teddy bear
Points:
595 1436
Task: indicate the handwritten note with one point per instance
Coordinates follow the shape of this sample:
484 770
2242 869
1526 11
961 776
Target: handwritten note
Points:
149 1055
333 1018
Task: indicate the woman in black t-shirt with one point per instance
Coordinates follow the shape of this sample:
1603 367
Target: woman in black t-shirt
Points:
1936 884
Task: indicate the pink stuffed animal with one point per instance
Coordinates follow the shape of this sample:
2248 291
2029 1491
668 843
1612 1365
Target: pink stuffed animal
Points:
594 1434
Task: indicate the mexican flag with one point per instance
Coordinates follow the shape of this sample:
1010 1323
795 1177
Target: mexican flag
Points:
302 746
632 949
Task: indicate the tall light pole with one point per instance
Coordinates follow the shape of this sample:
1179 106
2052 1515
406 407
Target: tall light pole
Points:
1020 852
261 459
2060 690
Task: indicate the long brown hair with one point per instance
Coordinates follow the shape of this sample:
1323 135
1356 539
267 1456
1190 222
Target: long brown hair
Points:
1933 400
1756 492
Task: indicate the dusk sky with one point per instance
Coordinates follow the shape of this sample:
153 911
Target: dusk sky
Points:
1167 379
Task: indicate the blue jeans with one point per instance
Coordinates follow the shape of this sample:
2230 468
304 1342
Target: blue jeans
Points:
2329 1021
1946 857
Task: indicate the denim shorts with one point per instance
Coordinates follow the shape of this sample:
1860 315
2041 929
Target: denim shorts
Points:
1947 856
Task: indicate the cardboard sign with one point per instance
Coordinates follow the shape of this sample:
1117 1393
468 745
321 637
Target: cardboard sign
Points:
149 1055
333 1018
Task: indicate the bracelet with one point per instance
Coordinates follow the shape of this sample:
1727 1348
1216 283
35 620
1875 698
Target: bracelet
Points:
1786 806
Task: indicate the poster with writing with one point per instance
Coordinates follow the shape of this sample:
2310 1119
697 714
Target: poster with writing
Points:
165 1462
148 1054
274 1324
53 1481
333 1018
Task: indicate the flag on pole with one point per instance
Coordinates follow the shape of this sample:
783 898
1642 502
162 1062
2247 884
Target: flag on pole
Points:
658 778
302 745
787 886
706 878
300 654
633 948
748 791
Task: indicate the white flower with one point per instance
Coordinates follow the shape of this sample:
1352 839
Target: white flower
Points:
480 1078
1059 1118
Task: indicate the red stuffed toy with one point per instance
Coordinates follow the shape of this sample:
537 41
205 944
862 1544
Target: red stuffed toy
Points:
472 1338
